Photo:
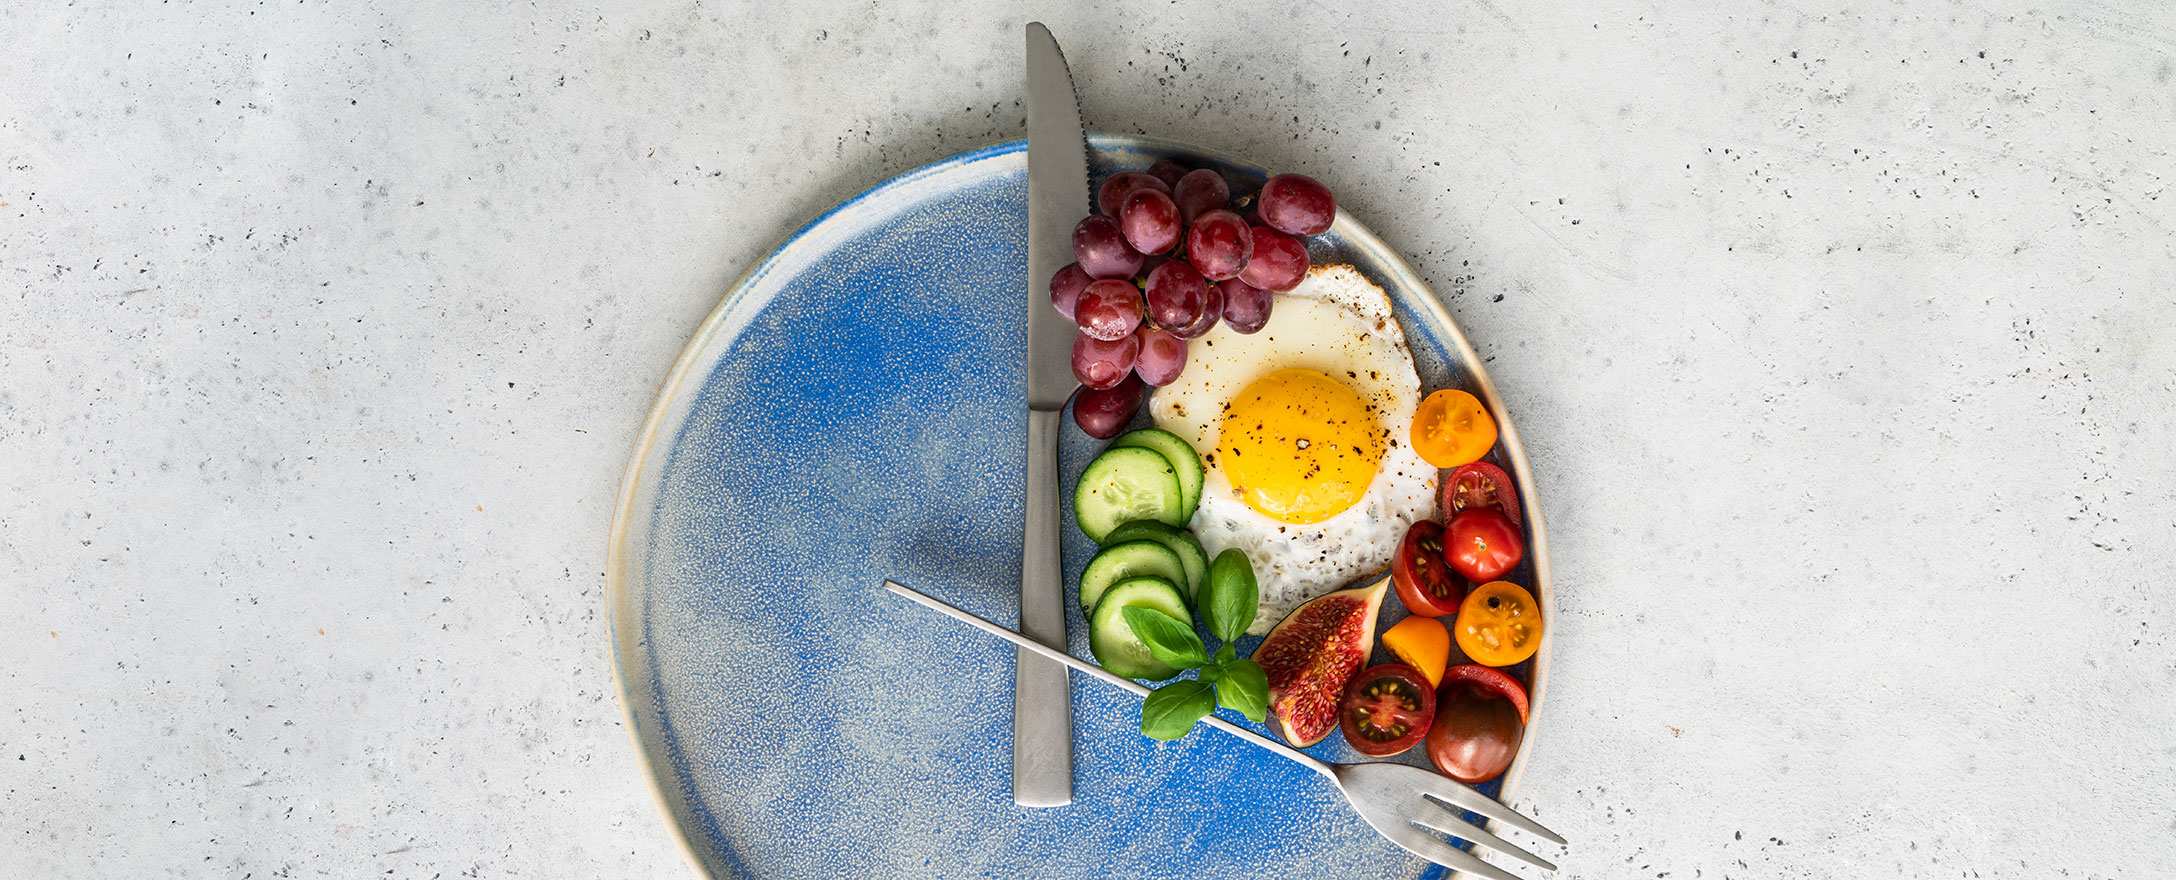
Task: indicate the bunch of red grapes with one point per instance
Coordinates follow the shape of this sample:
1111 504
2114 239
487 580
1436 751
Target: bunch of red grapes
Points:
1166 255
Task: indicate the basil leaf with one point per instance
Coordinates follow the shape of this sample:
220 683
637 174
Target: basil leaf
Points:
1170 711
1172 643
1212 672
1225 652
1244 689
1229 595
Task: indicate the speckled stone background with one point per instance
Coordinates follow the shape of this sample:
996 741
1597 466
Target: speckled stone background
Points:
1843 336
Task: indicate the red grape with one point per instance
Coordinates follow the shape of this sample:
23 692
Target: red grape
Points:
1211 306
1218 243
1200 190
1279 263
1176 295
1112 195
1065 288
1101 364
1101 251
1167 171
1246 307
1297 204
1108 309
1102 413
1150 221
1162 356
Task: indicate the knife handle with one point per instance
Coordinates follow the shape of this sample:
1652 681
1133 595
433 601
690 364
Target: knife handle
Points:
1042 708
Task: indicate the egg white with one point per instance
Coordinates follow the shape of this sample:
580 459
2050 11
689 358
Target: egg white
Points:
1339 323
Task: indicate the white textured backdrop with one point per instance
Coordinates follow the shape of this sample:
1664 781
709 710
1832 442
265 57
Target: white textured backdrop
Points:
1843 337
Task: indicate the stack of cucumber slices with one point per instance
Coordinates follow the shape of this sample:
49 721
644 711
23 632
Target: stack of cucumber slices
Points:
1135 500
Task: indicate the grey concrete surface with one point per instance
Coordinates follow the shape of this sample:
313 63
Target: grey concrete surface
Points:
1843 336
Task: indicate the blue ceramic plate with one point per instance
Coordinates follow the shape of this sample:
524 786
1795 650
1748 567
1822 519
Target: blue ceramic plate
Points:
852 411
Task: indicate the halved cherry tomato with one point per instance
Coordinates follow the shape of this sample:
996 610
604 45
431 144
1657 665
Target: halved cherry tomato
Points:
1482 544
1422 643
1480 719
1451 428
1495 681
1499 624
1423 577
1386 709
1480 484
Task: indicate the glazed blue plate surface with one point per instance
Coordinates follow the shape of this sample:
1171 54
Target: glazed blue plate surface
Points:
853 412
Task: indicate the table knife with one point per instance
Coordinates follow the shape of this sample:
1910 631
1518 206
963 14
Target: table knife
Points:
1042 711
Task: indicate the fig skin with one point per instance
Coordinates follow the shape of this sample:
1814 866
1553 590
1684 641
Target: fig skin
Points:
1303 689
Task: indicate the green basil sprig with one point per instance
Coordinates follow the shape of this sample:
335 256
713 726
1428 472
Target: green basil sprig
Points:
1230 598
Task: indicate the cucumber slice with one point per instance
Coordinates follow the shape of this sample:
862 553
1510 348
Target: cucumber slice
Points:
1113 642
1177 540
1125 560
1126 483
1185 462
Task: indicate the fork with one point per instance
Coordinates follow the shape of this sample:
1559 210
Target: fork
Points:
1401 802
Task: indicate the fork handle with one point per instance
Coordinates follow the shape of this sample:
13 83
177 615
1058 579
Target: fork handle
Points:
1100 674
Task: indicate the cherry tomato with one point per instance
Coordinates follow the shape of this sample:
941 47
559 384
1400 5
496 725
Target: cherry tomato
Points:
1386 709
1499 624
1480 484
1480 718
1482 544
1451 428
1423 577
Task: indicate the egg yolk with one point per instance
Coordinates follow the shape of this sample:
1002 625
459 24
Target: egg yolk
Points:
1299 446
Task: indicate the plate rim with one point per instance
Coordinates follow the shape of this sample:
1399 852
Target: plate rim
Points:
668 408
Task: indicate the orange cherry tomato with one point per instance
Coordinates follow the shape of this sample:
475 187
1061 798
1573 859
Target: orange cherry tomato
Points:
1499 624
1422 643
1452 428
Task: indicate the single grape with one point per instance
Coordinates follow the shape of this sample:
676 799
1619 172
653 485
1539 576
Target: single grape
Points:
1210 308
1103 364
1104 412
1102 251
1065 288
1279 263
1246 307
1112 195
1200 190
1167 171
1162 356
1297 204
1218 243
1150 221
1177 295
1108 309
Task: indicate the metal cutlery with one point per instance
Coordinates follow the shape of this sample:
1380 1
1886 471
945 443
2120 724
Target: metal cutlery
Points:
1406 804
1042 718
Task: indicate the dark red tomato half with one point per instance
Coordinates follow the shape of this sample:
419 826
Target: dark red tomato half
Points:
1386 709
1482 544
1480 719
1424 579
1480 484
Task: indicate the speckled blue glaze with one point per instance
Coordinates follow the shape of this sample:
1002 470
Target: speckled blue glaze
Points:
850 413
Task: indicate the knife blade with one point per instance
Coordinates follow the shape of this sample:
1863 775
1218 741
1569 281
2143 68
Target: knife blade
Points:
1042 718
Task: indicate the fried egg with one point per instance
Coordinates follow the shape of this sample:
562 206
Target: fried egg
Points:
1303 427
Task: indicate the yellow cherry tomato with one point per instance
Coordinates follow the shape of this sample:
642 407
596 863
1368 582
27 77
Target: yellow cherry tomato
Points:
1422 643
1499 624
1452 428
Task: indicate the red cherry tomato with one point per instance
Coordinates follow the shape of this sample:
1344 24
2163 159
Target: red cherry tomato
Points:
1424 579
1480 719
1386 709
1480 484
1483 545
1488 680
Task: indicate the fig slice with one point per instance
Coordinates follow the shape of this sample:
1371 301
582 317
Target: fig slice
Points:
1310 656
